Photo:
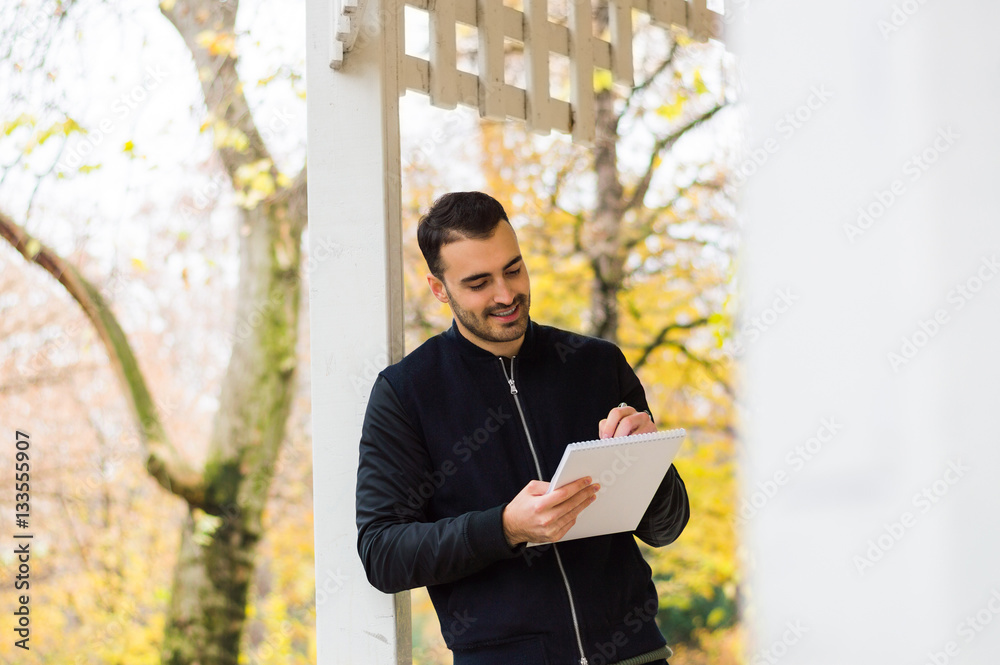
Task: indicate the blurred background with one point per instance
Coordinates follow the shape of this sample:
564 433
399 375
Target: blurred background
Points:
147 151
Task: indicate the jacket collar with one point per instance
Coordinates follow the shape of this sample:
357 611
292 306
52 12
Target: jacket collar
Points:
467 348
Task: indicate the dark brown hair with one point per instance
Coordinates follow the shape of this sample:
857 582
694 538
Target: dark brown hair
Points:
454 216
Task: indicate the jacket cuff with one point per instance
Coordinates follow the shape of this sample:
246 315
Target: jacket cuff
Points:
486 537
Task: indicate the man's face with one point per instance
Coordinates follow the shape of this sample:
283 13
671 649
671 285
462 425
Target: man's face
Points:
486 285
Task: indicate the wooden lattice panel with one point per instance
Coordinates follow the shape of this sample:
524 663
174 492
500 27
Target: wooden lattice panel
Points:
447 86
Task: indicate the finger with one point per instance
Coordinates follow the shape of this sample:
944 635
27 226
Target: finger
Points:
576 502
563 524
536 487
612 423
609 424
637 423
568 490
627 425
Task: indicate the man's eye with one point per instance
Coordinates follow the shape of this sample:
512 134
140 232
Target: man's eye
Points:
514 273
478 287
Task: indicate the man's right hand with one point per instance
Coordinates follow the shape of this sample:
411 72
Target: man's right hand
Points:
536 517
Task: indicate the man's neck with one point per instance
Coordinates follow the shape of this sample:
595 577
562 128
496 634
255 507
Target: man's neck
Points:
507 349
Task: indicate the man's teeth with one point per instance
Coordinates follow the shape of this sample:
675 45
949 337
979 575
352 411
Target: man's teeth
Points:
507 313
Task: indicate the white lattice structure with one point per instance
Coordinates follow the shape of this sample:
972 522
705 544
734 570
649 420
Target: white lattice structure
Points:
447 86
357 70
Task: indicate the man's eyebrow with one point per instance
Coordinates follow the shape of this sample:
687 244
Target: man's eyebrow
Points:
481 275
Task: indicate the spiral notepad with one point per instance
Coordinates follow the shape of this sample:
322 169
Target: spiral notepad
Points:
629 470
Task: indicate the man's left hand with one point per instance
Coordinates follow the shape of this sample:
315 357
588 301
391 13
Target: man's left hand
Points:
624 420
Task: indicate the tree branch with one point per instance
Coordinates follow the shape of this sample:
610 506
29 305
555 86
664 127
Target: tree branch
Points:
662 67
661 338
662 145
163 461
224 98
43 379
704 363
644 228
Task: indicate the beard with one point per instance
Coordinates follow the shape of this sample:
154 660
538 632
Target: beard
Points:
489 329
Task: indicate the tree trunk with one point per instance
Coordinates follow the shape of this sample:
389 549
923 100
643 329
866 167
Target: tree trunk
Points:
208 598
604 245
216 560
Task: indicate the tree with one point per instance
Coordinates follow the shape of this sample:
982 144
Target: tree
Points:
225 496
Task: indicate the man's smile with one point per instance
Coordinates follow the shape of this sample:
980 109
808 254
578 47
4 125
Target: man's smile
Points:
507 314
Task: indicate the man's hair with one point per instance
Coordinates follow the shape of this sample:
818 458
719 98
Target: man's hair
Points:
455 216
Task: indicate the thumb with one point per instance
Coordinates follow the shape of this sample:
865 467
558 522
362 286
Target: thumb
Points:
537 487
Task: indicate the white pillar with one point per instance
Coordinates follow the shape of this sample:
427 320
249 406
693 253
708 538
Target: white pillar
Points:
355 304
872 229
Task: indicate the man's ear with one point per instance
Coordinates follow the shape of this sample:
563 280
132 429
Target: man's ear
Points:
437 288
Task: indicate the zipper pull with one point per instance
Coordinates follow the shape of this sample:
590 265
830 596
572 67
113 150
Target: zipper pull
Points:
510 379
583 660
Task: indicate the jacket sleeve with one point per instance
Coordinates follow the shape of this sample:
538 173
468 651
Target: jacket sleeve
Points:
669 510
399 547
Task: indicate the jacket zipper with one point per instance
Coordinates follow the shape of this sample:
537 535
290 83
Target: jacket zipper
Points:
538 469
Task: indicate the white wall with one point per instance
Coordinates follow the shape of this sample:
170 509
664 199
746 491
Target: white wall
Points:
847 560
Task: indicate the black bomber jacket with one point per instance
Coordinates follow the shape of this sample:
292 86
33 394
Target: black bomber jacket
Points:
445 446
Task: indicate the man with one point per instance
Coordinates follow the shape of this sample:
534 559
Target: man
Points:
456 443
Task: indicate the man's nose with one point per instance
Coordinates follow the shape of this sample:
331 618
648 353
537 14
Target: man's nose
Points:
503 293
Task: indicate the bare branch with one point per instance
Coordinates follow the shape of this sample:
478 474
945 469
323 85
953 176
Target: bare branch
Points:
163 461
44 379
42 176
222 90
661 339
662 67
704 363
663 145
644 228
